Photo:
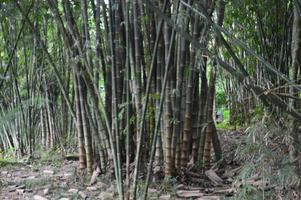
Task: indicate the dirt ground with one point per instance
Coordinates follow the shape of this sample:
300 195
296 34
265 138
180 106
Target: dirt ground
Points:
62 181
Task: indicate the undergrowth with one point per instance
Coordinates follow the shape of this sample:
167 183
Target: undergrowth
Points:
7 159
267 172
5 162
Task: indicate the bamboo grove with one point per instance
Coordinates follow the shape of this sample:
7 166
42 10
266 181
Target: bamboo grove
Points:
132 83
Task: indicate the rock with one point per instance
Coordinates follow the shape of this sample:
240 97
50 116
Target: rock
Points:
214 177
158 197
94 176
31 177
106 195
165 197
64 198
67 174
12 190
12 187
73 191
20 191
82 194
63 184
209 198
46 191
101 185
4 173
91 188
152 190
38 197
180 186
186 194
21 187
112 189
50 172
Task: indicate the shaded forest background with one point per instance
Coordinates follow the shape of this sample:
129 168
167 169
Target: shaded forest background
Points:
133 87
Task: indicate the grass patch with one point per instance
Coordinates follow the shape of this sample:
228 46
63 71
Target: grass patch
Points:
47 157
7 162
51 156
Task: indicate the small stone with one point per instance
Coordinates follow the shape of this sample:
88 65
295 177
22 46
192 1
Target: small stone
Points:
48 172
82 194
20 191
152 190
21 187
30 177
111 189
46 191
64 198
4 173
165 197
106 195
180 186
67 174
38 197
101 185
73 191
63 184
91 188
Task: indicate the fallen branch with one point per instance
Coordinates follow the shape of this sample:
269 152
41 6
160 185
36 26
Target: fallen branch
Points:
214 177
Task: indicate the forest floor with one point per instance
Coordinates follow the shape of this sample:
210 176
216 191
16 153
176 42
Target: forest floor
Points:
60 179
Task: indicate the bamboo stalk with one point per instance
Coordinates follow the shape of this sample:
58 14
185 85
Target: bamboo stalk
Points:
145 103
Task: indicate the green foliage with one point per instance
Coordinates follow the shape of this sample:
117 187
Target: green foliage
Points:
225 125
258 112
220 95
155 96
133 119
221 100
226 114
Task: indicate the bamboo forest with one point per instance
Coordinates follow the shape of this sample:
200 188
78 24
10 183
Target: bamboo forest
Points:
150 99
